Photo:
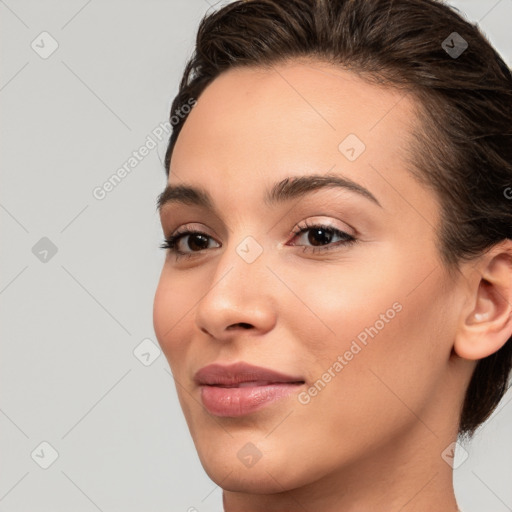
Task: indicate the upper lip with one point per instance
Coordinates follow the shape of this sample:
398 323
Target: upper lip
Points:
237 373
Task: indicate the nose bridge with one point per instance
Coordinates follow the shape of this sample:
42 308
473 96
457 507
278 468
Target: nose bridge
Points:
239 291
243 261
241 271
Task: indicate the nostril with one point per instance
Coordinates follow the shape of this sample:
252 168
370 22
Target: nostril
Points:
241 324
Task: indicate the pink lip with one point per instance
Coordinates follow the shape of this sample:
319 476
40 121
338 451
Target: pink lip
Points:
240 388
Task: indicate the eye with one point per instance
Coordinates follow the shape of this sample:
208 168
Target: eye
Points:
187 242
322 237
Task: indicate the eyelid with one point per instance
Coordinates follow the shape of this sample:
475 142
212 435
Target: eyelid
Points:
320 220
310 222
191 226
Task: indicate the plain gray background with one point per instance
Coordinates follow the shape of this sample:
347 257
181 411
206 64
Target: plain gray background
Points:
73 371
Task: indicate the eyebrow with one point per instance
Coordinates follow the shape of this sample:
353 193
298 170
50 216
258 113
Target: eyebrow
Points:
284 190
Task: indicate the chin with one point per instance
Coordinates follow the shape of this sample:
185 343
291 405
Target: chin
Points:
263 478
270 471
246 481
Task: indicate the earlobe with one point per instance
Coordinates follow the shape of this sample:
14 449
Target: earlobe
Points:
487 326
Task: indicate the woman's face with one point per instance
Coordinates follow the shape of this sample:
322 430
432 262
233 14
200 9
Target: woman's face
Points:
356 314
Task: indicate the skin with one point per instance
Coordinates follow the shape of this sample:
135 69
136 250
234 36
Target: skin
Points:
372 439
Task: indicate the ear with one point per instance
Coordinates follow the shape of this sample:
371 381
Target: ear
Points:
486 324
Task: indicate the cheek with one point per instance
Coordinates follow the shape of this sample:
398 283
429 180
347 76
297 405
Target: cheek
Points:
336 304
171 307
369 335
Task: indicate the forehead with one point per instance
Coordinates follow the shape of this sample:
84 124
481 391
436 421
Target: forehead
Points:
252 127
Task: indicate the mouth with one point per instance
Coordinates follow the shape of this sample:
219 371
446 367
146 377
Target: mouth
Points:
240 389
254 383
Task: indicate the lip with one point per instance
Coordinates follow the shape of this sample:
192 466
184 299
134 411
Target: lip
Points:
238 389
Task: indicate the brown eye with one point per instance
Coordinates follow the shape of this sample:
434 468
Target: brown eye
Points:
187 243
322 237
196 241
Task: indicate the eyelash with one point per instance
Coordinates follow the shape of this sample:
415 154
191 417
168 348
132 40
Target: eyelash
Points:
171 242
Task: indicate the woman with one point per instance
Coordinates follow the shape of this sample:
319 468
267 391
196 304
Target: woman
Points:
335 303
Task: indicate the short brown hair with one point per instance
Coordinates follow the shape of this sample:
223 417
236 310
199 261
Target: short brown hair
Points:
463 147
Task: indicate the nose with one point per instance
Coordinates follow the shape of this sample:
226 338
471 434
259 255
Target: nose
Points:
239 298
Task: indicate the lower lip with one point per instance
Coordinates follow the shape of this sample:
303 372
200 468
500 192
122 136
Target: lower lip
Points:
241 401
